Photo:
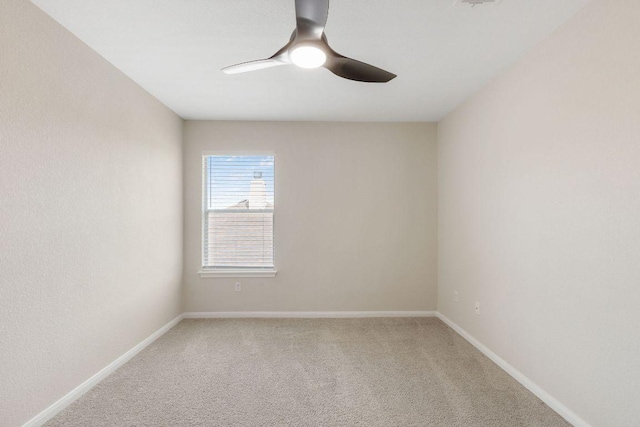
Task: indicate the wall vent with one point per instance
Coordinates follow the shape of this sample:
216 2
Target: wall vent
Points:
472 3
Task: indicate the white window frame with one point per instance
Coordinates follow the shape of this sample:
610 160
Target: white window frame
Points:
209 272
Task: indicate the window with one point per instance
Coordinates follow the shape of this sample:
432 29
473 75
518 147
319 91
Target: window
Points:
237 216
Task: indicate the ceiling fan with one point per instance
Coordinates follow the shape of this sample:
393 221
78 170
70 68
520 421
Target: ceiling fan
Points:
308 48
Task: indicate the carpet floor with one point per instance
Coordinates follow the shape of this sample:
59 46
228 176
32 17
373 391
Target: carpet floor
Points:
309 372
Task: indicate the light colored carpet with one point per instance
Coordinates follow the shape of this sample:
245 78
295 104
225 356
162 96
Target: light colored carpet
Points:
309 372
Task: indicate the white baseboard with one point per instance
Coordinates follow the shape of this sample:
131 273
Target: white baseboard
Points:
74 394
551 401
305 314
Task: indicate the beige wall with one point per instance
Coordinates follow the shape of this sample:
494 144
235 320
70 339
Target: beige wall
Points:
539 214
355 216
90 212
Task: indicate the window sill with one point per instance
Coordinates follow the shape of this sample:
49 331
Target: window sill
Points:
237 273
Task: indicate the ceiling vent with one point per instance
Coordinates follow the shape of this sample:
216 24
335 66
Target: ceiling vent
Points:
472 3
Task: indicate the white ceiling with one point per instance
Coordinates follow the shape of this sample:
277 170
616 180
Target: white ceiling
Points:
442 54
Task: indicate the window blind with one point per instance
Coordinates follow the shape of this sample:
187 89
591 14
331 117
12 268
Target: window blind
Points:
238 212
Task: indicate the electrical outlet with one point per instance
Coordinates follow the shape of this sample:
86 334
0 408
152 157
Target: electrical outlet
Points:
238 287
455 296
477 307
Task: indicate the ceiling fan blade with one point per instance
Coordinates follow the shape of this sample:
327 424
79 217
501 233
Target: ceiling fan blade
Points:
311 17
279 58
252 66
355 70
